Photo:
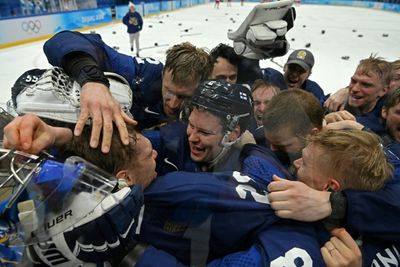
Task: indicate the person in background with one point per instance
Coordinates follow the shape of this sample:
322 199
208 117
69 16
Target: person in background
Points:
262 92
395 81
296 72
372 74
225 62
134 22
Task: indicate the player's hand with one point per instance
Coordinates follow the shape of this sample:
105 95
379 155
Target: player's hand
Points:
246 138
99 105
341 250
339 116
295 200
347 124
30 134
337 101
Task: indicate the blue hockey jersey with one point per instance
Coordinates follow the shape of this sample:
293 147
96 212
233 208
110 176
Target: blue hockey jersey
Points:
275 77
143 74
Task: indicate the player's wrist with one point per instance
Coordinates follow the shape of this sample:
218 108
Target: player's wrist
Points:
338 206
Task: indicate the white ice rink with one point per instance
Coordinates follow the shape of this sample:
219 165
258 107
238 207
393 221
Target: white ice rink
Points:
206 27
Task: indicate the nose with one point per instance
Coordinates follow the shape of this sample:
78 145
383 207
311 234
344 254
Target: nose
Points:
192 135
261 108
174 102
230 80
273 147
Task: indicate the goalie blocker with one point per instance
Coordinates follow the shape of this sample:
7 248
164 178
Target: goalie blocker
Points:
262 33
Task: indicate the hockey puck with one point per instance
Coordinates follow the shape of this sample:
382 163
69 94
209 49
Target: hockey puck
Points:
160 21
345 57
114 32
150 26
354 30
360 35
308 45
186 30
304 26
179 24
323 32
206 19
385 35
155 44
229 30
293 39
116 47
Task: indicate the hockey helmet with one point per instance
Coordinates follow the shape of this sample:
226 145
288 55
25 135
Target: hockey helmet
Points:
37 195
232 103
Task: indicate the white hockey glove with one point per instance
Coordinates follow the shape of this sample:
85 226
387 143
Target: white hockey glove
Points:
262 33
54 95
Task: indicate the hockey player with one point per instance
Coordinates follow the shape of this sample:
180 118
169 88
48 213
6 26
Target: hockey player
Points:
296 73
286 128
186 222
217 115
180 201
157 92
86 57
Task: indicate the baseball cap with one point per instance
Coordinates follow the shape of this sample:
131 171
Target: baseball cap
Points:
302 57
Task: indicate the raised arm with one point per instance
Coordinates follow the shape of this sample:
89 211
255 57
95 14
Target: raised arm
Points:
30 134
85 57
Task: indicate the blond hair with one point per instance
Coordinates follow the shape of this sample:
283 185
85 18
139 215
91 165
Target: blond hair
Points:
188 64
379 66
356 158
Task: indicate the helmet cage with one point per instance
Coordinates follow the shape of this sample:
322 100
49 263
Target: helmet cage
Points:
47 194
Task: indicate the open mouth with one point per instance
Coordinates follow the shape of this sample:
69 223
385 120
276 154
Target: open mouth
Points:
196 151
356 97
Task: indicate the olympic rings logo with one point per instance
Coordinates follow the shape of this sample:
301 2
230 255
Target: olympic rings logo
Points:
31 26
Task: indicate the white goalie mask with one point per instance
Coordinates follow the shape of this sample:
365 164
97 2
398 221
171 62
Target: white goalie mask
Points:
44 193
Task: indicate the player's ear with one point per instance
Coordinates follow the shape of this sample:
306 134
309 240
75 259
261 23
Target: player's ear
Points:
333 184
234 134
384 113
123 175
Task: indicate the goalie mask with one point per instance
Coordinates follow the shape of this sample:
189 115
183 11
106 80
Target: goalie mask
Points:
54 95
262 33
47 195
232 103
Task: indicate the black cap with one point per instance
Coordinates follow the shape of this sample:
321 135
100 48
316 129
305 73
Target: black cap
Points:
302 57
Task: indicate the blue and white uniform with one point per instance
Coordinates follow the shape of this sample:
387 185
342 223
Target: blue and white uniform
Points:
143 74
